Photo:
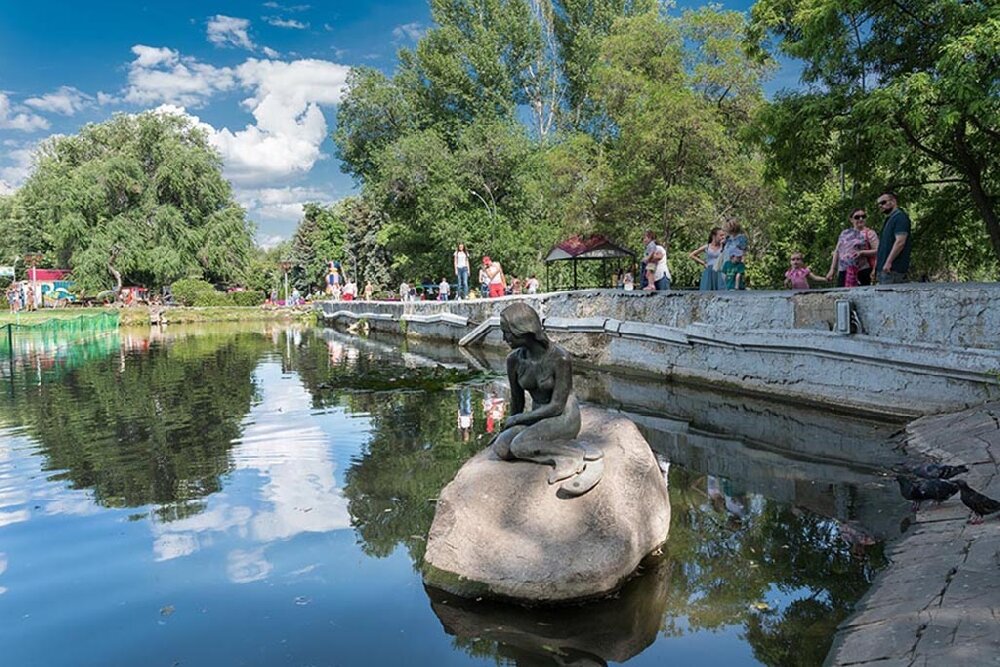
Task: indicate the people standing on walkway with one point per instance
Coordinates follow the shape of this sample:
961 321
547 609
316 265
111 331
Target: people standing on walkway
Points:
484 278
404 291
532 285
893 258
496 277
350 292
369 290
711 276
735 240
444 289
657 271
854 255
332 278
735 270
799 275
461 263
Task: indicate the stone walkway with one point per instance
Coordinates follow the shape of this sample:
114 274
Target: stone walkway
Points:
938 602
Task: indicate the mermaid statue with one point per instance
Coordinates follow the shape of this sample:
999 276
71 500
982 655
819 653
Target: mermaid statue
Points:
548 432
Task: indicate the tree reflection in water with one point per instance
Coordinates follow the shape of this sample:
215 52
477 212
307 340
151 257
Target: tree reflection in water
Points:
159 429
154 430
781 577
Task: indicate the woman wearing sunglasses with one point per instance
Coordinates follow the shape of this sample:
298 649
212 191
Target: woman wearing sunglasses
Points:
854 257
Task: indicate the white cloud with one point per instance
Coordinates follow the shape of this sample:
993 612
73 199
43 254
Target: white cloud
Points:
15 119
286 102
279 204
286 8
162 75
269 241
104 98
413 31
229 31
14 171
66 101
279 22
289 125
270 53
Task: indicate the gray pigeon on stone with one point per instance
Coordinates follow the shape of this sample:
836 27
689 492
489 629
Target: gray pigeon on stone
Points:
938 471
919 490
980 504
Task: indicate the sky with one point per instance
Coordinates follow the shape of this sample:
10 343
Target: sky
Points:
263 78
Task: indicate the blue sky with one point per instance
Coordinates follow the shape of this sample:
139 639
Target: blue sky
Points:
264 77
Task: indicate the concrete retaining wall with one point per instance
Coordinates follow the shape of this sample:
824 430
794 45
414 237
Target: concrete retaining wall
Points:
921 349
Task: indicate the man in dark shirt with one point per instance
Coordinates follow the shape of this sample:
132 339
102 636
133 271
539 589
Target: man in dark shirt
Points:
893 259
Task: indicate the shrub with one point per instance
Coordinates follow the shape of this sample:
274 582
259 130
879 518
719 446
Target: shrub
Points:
247 298
213 298
187 290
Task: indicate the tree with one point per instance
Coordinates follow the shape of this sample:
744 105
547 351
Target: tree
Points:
139 198
899 94
679 95
318 240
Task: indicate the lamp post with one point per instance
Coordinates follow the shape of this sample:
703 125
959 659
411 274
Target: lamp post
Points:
286 264
32 259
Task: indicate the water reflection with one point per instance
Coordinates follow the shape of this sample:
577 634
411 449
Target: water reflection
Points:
615 629
296 465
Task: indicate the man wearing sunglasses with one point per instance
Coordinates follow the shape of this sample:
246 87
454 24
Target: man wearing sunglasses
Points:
893 260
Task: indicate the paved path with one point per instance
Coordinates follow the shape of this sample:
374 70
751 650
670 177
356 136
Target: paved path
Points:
938 603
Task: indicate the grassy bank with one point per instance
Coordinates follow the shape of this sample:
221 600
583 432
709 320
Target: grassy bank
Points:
139 315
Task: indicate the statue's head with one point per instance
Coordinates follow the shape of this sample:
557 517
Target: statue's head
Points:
518 321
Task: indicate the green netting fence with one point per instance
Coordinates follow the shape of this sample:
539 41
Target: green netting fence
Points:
55 331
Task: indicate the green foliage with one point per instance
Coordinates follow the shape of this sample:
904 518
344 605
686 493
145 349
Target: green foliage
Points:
212 299
662 107
187 290
247 298
905 96
319 239
137 199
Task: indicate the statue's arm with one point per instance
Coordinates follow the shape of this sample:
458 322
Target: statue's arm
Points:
516 391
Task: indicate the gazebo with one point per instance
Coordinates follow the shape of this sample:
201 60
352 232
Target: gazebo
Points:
582 248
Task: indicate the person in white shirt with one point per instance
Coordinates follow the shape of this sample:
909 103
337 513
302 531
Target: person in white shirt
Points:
443 290
532 285
404 291
657 271
461 262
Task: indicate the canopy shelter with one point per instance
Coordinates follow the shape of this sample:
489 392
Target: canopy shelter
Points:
576 249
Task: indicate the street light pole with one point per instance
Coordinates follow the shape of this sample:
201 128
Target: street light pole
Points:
285 266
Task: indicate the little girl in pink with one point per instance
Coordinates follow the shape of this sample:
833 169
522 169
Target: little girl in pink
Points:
798 276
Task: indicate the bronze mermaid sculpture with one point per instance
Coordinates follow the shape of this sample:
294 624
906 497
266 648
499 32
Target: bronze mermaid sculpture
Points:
547 433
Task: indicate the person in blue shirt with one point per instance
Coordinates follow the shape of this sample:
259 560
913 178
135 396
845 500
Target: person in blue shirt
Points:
893 259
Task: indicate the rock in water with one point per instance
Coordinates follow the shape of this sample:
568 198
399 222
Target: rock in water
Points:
501 530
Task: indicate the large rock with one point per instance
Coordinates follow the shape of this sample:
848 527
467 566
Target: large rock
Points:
502 531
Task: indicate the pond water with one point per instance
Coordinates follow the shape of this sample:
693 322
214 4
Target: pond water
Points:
261 496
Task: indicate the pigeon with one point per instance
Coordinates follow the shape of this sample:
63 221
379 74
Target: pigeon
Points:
938 471
919 490
979 504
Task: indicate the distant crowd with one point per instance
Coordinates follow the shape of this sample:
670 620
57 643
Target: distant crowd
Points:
860 257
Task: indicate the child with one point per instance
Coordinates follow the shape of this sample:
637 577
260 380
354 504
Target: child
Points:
735 271
443 289
798 276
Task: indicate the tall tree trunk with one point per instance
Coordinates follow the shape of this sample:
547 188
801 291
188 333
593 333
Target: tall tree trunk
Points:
115 272
985 204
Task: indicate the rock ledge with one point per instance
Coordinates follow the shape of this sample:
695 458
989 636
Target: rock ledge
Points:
502 531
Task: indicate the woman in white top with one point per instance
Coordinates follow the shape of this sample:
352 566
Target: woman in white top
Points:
461 262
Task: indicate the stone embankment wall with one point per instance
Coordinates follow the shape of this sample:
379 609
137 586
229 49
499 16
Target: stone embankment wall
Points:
919 349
